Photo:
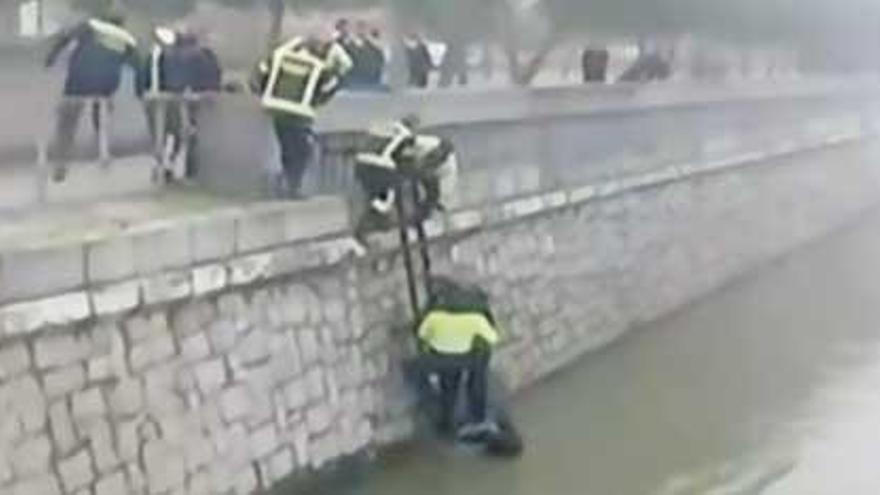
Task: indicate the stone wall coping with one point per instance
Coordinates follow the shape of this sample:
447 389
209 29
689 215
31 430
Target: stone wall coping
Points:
275 256
352 111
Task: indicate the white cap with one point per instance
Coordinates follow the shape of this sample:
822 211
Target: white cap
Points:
165 35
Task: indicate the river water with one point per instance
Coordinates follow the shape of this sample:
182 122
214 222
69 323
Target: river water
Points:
770 386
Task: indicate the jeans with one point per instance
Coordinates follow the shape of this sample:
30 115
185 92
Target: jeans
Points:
451 370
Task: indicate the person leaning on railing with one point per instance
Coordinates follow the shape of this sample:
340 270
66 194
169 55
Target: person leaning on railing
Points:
293 81
172 83
101 49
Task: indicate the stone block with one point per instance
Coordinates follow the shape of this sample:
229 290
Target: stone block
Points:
128 439
62 381
210 376
144 327
198 451
88 405
6 474
222 335
63 434
164 467
31 457
100 369
103 446
263 441
280 465
315 384
246 482
14 359
235 403
258 230
249 269
295 395
112 484
116 298
253 349
166 287
213 238
334 311
41 272
319 418
151 352
161 249
198 484
25 399
110 260
76 471
193 318
309 346
195 348
317 217
126 398
208 279
161 390
27 317
323 450
465 220
43 485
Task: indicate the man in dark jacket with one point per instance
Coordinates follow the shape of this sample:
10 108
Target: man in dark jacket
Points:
102 48
367 57
419 61
182 67
594 64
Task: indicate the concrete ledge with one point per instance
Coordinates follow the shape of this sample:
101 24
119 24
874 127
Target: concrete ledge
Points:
271 241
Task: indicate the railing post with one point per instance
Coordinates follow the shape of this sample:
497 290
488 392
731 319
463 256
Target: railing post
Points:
159 111
186 130
104 131
42 175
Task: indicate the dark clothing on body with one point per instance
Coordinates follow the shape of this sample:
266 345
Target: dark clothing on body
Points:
419 63
297 142
93 69
594 64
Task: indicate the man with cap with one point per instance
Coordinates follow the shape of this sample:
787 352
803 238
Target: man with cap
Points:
296 79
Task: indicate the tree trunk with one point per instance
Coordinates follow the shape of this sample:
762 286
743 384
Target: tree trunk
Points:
276 23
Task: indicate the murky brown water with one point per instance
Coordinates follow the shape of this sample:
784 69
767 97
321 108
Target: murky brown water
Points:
771 386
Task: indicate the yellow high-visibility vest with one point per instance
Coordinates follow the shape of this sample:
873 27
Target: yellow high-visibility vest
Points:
454 333
295 75
384 142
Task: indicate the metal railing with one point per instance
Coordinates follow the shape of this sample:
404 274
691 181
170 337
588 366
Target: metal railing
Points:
171 127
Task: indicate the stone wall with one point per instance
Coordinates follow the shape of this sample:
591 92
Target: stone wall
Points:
222 354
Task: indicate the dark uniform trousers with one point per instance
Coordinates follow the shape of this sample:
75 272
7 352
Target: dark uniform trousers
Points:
451 369
297 141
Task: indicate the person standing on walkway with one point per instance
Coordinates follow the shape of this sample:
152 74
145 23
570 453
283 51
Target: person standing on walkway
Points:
419 61
594 64
101 49
297 78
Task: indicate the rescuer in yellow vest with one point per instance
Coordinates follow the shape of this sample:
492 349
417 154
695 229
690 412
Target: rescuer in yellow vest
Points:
101 49
457 336
297 78
395 153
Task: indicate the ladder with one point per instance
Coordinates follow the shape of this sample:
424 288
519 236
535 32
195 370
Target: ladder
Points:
410 188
